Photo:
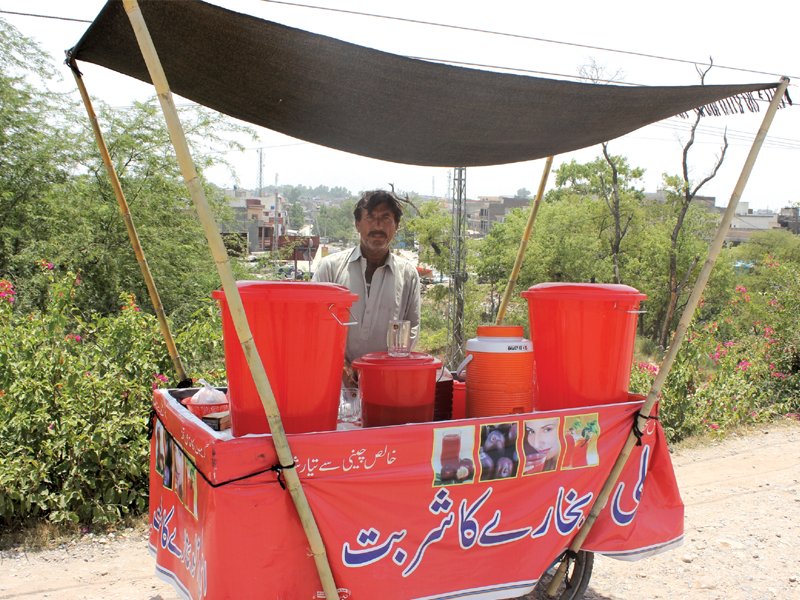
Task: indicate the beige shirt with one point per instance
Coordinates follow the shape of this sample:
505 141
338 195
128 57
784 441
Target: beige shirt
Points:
393 294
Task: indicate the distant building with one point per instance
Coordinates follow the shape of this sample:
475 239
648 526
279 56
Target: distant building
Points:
488 210
261 221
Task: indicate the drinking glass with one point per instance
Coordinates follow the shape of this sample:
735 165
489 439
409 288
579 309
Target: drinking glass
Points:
350 406
398 338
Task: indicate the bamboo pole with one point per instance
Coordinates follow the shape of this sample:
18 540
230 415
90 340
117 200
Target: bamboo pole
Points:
523 245
232 296
677 338
124 210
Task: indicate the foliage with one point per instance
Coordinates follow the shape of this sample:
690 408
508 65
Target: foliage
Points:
431 232
74 403
296 217
742 367
336 222
34 143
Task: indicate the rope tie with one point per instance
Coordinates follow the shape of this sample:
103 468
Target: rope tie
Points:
278 468
638 432
571 557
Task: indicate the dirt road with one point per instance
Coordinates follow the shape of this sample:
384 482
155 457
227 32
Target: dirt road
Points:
742 500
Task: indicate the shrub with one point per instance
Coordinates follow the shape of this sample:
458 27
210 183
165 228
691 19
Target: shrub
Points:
743 367
75 396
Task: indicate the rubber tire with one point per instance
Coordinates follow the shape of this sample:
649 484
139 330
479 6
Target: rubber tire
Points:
579 577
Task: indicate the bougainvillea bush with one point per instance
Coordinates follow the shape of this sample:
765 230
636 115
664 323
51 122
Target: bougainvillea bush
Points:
741 367
75 396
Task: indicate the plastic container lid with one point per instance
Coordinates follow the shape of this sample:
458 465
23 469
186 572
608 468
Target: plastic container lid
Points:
503 331
292 291
584 291
382 360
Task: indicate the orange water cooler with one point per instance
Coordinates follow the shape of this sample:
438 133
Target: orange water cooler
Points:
499 372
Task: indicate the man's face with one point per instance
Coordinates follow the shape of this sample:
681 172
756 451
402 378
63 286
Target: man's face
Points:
377 228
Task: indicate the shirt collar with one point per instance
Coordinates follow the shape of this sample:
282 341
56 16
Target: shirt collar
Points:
356 255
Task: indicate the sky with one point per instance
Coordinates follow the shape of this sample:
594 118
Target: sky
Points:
746 46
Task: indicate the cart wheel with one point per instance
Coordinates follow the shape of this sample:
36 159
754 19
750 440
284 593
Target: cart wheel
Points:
578 576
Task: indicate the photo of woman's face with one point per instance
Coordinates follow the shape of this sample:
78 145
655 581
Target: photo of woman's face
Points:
541 443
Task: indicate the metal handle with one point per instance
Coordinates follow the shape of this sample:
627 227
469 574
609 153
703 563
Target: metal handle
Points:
463 364
636 312
333 314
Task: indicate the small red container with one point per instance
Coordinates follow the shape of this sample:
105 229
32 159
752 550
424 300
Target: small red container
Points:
459 399
396 390
201 410
583 336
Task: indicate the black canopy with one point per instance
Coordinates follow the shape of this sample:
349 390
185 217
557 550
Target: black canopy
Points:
377 104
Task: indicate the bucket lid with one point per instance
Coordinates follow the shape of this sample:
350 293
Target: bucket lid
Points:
382 360
503 331
584 291
293 291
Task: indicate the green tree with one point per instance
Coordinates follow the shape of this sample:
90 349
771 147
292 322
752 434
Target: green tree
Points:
34 148
336 222
681 190
296 215
431 229
613 181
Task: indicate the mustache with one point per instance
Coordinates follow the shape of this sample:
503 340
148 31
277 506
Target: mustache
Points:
377 233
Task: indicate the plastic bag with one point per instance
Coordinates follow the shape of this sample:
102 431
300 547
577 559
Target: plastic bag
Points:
208 394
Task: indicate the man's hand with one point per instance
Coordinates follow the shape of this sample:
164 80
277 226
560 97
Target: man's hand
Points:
349 376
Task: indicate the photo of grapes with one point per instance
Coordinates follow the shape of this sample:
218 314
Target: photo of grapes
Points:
498 451
580 441
452 461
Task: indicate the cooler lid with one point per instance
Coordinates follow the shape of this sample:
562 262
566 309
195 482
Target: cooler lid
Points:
294 291
503 331
584 291
382 360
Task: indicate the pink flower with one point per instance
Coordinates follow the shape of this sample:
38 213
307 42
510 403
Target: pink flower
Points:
648 366
773 302
729 343
7 292
743 365
713 426
741 289
159 378
73 336
768 331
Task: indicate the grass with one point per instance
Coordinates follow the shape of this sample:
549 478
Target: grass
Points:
43 535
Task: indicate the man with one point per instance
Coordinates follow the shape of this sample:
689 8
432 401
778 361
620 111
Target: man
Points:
387 285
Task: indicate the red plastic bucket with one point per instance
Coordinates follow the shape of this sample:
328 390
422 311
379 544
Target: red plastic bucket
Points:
299 331
500 373
583 334
396 390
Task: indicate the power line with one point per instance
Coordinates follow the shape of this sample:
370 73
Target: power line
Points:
474 30
53 17
524 37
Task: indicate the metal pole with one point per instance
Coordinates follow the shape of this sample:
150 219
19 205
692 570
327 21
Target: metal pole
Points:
124 209
677 338
523 245
232 296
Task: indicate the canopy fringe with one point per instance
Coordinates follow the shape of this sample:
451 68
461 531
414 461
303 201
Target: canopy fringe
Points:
739 104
